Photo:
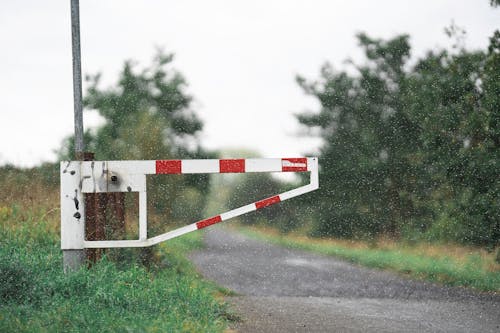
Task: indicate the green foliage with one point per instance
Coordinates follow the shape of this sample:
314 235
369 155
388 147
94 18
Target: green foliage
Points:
24 186
405 146
363 160
457 108
147 117
147 113
229 191
253 187
46 174
15 279
36 296
442 269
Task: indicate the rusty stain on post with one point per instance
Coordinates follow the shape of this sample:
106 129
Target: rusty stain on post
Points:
102 210
117 200
94 218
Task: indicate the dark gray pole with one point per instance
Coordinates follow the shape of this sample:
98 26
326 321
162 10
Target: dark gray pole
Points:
77 77
74 259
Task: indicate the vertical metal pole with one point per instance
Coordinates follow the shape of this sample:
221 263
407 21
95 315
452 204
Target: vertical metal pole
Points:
77 77
73 259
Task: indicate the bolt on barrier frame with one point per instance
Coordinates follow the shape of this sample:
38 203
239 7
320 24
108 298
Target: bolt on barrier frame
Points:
79 177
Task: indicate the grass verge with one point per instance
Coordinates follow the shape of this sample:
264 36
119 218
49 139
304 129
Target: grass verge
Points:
35 296
449 265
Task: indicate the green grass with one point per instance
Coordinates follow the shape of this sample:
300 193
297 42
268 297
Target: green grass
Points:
471 272
35 295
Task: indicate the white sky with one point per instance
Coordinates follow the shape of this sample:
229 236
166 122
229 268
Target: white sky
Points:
239 58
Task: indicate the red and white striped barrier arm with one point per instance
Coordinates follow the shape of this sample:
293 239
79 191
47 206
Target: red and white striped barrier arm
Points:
131 176
285 165
232 165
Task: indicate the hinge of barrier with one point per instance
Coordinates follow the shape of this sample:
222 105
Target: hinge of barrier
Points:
78 177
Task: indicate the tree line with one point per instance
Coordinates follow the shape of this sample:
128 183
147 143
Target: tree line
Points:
410 147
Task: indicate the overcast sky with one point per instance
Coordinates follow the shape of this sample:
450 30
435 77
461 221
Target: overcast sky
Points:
239 58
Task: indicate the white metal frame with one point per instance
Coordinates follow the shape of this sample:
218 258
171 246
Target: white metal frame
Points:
78 177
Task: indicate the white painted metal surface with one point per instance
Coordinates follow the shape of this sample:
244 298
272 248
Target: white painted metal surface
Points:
130 176
72 207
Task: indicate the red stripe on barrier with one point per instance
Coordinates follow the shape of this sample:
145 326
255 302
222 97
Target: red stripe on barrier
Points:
267 202
208 222
232 166
168 167
294 164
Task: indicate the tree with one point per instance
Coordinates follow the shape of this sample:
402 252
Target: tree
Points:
365 137
229 191
457 107
248 188
148 116
410 150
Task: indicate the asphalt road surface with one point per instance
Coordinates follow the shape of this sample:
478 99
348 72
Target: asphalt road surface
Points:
283 290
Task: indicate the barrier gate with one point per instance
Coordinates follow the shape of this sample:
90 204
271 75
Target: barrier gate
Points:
79 177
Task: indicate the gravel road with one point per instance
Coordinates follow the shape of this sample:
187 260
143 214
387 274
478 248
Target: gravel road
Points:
283 290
